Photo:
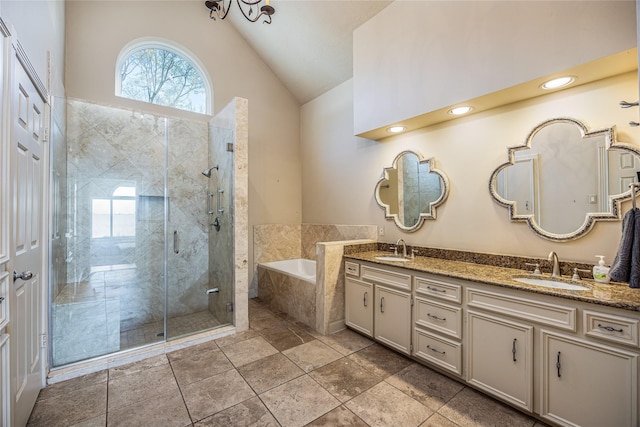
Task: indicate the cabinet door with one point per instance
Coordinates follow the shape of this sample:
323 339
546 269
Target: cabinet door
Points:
500 358
359 306
392 318
586 384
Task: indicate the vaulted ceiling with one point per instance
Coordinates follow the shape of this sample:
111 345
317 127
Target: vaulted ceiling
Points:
309 44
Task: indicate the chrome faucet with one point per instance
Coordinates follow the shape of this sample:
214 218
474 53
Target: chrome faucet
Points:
555 272
404 247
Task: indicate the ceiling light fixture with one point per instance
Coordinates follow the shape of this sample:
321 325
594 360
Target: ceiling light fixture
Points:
249 8
557 83
458 111
396 129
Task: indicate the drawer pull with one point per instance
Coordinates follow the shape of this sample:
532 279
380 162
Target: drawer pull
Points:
558 365
364 299
435 350
382 305
513 349
442 319
609 328
436 289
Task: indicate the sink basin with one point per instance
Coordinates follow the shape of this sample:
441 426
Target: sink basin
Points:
392 258
547 283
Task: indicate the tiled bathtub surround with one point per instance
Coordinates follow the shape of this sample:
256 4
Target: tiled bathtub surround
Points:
322 243
288 294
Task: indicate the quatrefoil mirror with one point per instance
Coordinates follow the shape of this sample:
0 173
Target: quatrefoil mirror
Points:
565 178
411 190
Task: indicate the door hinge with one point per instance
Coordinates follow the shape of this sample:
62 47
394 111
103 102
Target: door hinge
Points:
411 348
230 147
43 341
411 299
229 307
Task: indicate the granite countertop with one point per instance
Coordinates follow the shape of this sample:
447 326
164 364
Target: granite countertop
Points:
613 294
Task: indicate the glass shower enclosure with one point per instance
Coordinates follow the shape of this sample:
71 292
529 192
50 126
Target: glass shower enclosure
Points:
132 234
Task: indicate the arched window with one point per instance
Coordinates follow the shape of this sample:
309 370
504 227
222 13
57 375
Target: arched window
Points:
156 72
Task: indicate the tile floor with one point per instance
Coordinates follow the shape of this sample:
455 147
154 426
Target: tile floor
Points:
278 373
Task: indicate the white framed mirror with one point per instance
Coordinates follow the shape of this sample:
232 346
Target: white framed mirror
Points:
410 190
565 178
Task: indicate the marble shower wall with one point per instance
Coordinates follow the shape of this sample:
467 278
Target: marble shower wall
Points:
228 251
110 148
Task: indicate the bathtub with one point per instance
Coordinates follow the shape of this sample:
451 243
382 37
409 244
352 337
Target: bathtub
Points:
304 269
289 286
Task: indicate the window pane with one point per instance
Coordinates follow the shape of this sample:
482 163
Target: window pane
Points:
124 218
100 218
162 77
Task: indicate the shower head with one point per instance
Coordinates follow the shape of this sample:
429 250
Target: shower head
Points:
207 172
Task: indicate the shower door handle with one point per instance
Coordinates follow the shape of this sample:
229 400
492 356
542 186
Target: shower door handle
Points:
176 242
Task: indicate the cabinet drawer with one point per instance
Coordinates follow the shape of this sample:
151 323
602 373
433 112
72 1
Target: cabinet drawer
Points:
611 327
352 269
4 299
440 351
386 277
534 311
439 317
434 287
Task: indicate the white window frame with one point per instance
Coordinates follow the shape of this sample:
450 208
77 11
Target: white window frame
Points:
158 43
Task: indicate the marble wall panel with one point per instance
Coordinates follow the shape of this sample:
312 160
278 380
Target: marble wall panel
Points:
228 249
289 295
315 233
96 334
274 242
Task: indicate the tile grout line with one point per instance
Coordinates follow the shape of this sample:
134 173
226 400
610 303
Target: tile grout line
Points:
180 389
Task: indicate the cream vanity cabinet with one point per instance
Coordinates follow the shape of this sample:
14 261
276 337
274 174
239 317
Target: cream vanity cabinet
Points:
378 304
587 384
358 301
438 323
570 362
580 379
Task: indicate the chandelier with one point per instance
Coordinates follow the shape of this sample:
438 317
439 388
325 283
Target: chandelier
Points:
249 8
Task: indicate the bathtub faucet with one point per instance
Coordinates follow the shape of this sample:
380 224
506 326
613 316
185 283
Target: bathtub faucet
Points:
404 247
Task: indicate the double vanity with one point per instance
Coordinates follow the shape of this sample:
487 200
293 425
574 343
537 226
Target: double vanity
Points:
567 355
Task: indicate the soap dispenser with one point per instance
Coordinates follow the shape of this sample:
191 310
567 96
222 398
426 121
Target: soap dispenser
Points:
600 272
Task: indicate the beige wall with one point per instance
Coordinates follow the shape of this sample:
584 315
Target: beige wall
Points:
98 30
459 50
39 25
340 170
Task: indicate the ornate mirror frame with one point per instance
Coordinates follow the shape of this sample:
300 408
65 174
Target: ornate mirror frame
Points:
591 217
431 214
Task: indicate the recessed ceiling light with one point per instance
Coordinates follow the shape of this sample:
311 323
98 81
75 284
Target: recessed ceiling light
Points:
559 82
460 110
396 129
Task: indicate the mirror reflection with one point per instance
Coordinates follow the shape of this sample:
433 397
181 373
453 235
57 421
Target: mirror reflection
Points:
410 190
565 178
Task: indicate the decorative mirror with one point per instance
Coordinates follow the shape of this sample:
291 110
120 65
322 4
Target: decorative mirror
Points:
565 178
410 190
